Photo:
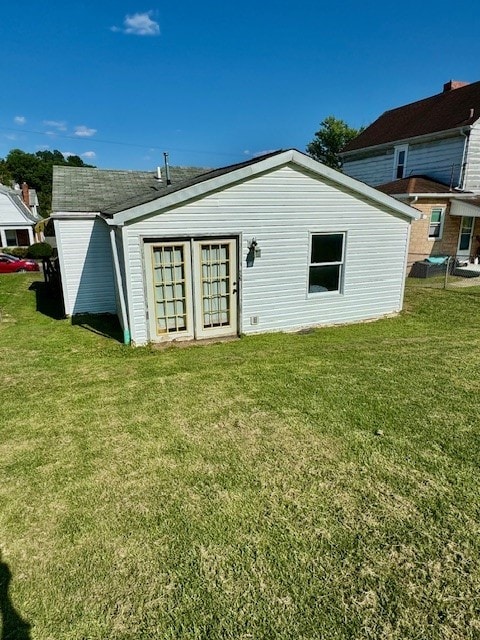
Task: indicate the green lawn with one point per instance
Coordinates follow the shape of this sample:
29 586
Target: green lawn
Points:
317 485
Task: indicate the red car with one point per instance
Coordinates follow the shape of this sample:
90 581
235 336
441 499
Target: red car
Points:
12 264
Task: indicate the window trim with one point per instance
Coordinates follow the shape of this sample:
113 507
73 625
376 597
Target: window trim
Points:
439 224
341 263
398 150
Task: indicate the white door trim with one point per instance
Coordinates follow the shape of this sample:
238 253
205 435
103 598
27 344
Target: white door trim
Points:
208 299
465 253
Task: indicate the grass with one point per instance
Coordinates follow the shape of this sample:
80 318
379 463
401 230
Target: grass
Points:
317 485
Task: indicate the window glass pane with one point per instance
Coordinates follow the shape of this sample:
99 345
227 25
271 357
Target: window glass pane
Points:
327 248
436 215
326 278
11 237
434 231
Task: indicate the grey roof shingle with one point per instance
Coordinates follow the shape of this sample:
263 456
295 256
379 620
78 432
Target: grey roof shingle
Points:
202 176
89 189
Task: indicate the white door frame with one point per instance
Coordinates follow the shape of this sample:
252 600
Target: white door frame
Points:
465 253
221 292
158 333
208 298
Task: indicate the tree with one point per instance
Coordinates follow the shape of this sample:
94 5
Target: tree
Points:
36 170
330 139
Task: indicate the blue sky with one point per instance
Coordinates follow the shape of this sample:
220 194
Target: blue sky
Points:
217 82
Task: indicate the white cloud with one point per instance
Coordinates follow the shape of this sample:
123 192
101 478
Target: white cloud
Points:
89 154
20 120
139 24
84 132
67 154
10 136
56 124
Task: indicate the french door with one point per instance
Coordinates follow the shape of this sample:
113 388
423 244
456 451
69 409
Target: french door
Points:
192 288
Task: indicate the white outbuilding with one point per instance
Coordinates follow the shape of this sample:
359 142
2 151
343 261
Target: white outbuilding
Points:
277 243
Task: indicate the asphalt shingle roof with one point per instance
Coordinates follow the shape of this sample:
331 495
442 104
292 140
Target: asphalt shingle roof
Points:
414 184
177 185
441 112
89 189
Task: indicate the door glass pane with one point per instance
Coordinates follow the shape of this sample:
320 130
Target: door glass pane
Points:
215 285
465 234
170 288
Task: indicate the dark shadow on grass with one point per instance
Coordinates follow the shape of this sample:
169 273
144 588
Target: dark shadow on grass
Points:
49 300
14 627
103 324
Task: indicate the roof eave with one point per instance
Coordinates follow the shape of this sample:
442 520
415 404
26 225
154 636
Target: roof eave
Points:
237 175
414 139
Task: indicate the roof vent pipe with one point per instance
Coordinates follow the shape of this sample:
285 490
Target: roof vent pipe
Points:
167 168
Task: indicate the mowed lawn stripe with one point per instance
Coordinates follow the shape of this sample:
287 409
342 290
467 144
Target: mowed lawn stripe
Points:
313 485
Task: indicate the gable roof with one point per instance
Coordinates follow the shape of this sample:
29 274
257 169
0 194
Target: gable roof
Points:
153 194
413 185
16 200
451 109
226 176
88 189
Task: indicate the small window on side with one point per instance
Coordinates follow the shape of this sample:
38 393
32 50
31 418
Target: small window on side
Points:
436 223
326 262
400 162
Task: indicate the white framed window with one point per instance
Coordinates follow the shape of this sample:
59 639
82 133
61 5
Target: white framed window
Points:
400 161
327 259
435 229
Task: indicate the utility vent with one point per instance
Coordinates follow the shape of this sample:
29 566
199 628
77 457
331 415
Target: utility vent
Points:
253 320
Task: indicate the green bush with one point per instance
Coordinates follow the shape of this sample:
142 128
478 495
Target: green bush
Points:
39 250
19 252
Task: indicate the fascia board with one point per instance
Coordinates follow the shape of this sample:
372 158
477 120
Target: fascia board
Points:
73 215
203 188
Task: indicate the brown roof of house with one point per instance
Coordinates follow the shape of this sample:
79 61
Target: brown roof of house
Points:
413 184
447 110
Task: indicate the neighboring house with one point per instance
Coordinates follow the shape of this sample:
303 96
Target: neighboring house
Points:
280 242
17 220
428 154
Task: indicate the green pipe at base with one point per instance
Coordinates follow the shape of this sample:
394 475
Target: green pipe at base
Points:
126 336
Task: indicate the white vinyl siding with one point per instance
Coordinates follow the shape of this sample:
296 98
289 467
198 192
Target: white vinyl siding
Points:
9 214
87 275
281 209
439 159
472 174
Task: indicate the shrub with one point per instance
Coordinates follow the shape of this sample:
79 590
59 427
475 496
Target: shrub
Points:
19 252
39 250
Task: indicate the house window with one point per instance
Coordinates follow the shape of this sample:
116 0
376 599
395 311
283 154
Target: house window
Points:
436 223
400 162
17 237
326 262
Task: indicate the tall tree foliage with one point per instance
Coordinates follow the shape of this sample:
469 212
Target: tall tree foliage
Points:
330 139
36 170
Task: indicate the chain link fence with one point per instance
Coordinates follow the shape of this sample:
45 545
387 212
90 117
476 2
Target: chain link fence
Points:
444 272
